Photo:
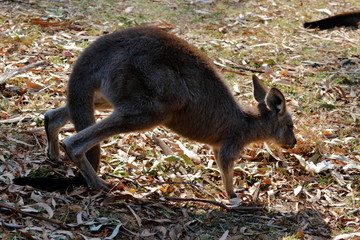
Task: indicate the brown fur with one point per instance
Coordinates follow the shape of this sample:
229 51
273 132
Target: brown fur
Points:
153 78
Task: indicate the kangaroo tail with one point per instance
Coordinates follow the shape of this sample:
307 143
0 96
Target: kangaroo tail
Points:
81 109
345 19
51 184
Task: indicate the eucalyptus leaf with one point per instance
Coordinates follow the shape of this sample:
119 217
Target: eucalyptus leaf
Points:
115 232
95 228
187 160
172 158
327 106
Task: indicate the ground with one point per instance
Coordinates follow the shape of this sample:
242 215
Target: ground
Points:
309 192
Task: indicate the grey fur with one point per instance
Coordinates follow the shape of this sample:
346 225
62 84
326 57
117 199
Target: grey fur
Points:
153 78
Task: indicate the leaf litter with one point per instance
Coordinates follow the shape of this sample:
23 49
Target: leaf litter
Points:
166 187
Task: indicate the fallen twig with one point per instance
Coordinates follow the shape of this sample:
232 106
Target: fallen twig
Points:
13 209
214 185
232 71
225 68
137 218
162 183
16 120
129 151
186 183
248 69
20 142
219 204
7 75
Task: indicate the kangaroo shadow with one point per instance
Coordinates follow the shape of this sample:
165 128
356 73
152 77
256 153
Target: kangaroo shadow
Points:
194 220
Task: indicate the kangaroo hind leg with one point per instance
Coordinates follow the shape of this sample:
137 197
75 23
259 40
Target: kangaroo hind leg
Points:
54 120
131 117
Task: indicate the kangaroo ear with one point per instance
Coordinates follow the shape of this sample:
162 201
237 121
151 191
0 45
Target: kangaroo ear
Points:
259 90
275 101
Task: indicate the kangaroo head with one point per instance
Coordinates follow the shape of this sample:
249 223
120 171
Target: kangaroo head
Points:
273 115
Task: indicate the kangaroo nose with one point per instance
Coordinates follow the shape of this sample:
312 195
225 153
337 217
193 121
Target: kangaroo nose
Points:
294 142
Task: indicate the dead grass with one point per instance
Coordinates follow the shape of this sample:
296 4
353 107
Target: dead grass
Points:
317 70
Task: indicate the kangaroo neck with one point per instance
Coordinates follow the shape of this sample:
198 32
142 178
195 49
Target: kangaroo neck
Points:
257 124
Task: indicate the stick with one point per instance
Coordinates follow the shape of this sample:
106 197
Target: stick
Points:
185 183
214 185
13 209
129 151
224 68
248 69
231 71
137 218
162 183
219 204
7 75
16 119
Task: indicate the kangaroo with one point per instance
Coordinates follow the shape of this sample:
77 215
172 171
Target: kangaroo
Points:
340 20
151 78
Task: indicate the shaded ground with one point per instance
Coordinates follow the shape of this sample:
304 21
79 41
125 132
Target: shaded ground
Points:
319 71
